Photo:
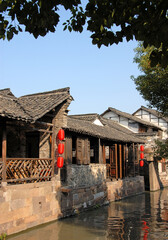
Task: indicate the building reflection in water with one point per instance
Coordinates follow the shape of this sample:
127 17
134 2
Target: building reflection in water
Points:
143 217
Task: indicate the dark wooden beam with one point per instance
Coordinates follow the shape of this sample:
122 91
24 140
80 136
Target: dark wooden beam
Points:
4 150
53 137
116 160
44 123
124 162
120 159
133 152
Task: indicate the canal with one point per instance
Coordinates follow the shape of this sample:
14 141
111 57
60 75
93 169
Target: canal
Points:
140 217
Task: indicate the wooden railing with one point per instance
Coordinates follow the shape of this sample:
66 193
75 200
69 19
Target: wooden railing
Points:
132 169
26 170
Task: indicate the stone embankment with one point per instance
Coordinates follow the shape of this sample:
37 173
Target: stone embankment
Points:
24 206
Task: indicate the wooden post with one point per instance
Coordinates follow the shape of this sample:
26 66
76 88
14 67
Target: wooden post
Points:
53 150
120 159
133 152
137 157
124 172
116 160
4 149
126 158
104 155
100 152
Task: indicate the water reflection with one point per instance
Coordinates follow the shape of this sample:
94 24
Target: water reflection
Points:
141 217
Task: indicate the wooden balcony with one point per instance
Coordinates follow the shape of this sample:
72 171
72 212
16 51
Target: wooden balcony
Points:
22 170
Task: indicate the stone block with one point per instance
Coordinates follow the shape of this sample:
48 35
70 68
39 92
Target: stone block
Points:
2 199
18 203
31 219
16 229
4 208
21 213
16 194
19 222
5 226
75 197
98 195
47 214
38 204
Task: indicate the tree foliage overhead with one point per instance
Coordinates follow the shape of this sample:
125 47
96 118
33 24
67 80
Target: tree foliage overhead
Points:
161 149
153 84
146 20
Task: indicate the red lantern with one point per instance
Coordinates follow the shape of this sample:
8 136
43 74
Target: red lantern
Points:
142 148
61 134
141 156
60 148
60 162
141 163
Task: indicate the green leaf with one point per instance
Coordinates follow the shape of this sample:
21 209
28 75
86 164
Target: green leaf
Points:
9 35
65 28
101 28
70 28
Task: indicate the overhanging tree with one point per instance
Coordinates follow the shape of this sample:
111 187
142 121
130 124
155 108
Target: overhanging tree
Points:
153 83
146 20
161 149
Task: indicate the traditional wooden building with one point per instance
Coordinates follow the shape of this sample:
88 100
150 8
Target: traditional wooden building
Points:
28 129
152 116
149 125
94 142
131 122
101 162
148 131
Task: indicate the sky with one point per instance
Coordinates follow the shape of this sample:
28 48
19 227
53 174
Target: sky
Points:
98 78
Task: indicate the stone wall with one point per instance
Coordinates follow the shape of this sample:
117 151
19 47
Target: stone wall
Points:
163 179
76 200
122 188
85 175
25 206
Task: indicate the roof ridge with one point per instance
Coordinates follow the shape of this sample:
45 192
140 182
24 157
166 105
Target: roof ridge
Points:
6 92
57 91
4 89
84 114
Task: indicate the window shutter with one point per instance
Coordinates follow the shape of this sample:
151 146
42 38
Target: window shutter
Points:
83 151
86 152
79 150
68 154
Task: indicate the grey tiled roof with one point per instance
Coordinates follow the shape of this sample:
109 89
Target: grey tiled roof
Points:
30 107
152 111
87 117
104 132
131 117
11 108
37 105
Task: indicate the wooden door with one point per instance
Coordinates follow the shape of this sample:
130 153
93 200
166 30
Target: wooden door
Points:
112 162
